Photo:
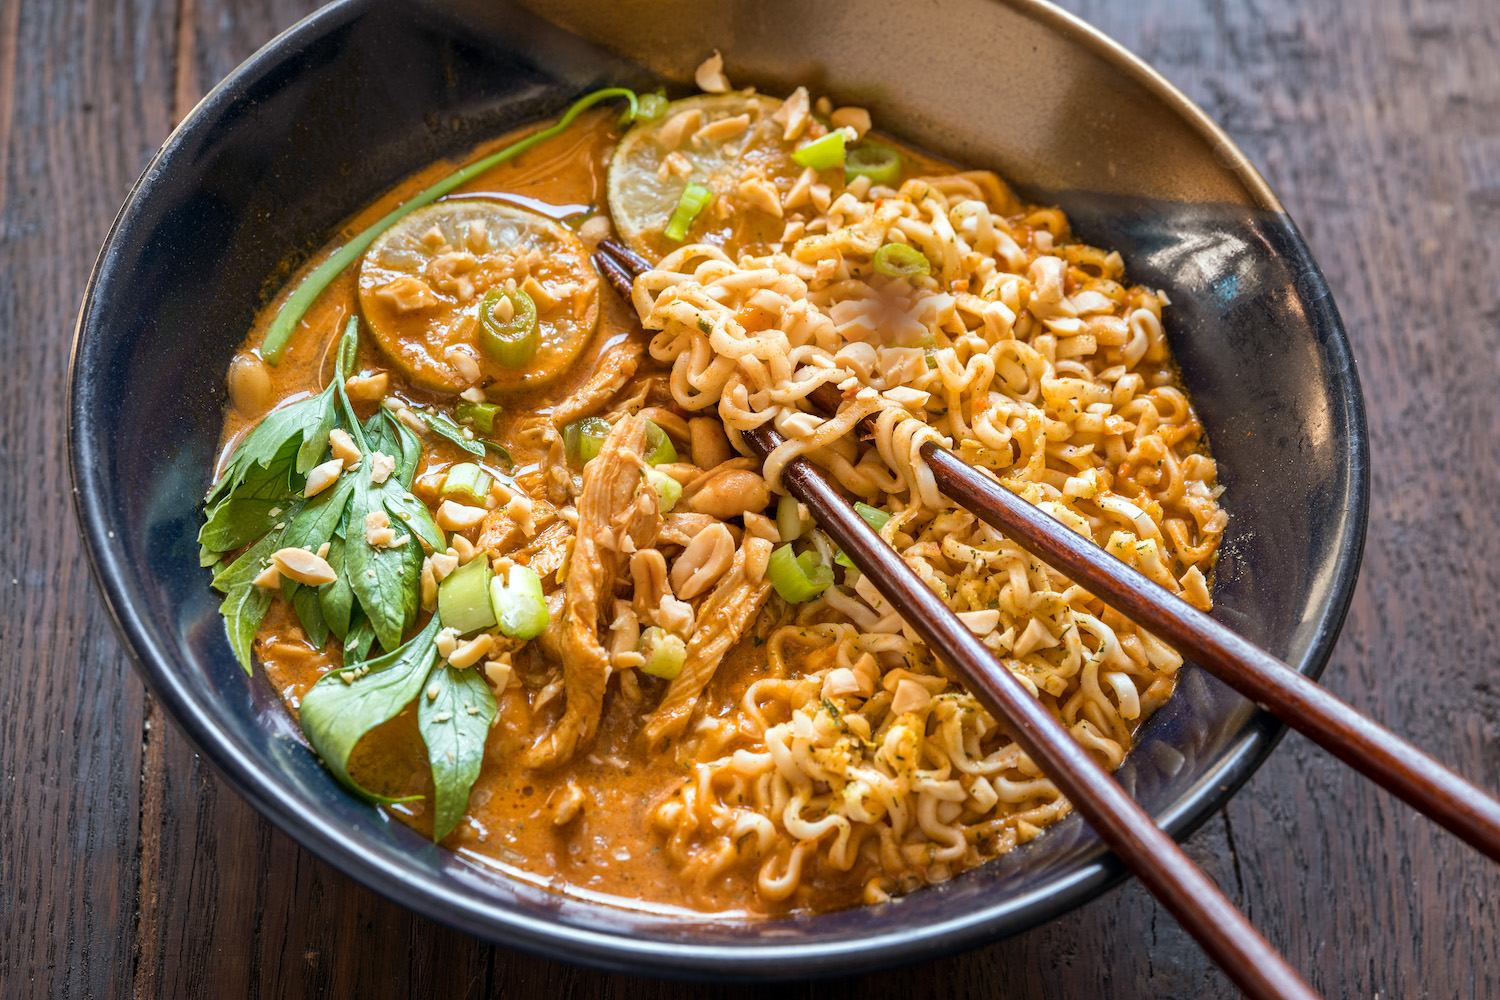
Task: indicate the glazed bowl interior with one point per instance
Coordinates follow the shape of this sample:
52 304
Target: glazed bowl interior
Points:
335 111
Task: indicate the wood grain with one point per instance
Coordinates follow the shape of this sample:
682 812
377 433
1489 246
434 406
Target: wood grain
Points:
127 868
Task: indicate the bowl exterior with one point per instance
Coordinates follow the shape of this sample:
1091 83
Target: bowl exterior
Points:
330 114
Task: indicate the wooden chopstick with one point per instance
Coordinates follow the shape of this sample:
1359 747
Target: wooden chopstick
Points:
1406 772
1224 932
1379 754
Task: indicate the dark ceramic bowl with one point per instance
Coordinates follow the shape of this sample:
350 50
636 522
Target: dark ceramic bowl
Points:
330 114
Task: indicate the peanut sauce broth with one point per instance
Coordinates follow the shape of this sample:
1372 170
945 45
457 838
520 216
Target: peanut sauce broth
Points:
610 849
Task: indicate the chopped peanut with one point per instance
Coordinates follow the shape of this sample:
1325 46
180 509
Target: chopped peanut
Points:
322 477
710 75
303 566
368 388
453 516
343 447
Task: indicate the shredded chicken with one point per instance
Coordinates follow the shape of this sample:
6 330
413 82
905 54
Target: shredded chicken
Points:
617 513
615 369
721 621
546 553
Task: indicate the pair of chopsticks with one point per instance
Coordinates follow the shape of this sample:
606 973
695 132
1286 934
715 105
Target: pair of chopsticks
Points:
1223 931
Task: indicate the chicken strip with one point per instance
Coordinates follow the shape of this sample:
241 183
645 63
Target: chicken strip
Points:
721 621
617 504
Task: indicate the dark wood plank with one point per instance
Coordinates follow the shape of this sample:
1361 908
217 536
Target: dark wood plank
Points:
1377 123
82 107
126 867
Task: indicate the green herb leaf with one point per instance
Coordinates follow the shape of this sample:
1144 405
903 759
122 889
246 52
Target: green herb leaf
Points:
310 614
386 579
244 609
254 508
383 432
413 513
299 428
445 428
454 726
313 522
245 605
336 599
359 641
336 716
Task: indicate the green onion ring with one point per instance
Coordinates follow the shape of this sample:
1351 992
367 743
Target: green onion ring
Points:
695 197
898 260
881 164
509 342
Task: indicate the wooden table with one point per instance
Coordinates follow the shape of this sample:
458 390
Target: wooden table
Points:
128 867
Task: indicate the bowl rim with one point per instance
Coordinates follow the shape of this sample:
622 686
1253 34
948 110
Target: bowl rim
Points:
609 950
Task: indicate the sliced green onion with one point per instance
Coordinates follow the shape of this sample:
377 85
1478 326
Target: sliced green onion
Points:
481 415
881 164
790 523
668 490
825 153
874 516
898 260
798 578
665 653
510 341
296 306
464 597
467 483
658 446
519 604
583 438
651 107
695 197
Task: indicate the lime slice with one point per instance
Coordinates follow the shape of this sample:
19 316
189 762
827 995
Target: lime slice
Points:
646 179
422 282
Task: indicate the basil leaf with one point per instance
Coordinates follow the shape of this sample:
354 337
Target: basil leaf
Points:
254 508
336 599
301 428
384 579
454 726
244 606
384 432
359 641
335 715
445 428
317 519
244 609
310 614
413 513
